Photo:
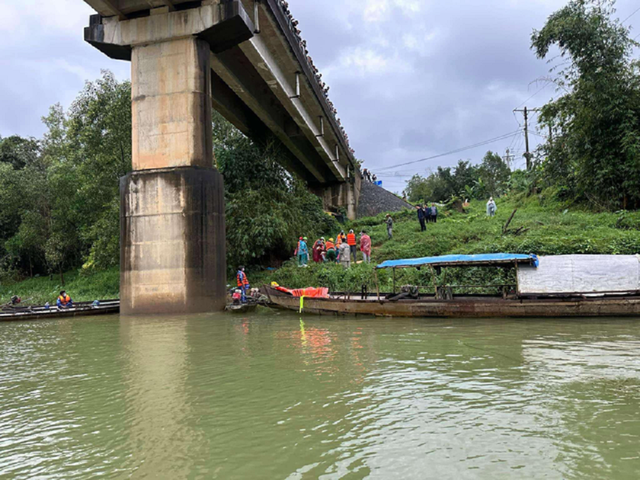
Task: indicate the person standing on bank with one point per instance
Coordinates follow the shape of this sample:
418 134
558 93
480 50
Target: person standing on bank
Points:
491 207
389 222
345 255
427 213
421 218
434 213
243 283
351 241
365 246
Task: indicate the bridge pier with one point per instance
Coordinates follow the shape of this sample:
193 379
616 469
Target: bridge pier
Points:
172 205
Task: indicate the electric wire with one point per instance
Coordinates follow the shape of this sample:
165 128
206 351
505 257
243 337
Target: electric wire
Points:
469 147
635 11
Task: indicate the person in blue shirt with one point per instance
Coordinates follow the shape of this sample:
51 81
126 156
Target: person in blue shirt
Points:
302 252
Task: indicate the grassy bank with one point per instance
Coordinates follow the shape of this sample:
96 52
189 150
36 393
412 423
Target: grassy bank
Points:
539 226
81 287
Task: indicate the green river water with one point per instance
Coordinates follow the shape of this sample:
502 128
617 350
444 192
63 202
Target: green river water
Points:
274 396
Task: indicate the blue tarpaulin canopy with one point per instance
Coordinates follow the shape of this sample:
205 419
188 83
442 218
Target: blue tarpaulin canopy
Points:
487 260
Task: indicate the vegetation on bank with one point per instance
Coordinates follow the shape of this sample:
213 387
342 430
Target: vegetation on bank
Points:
541 225
97 285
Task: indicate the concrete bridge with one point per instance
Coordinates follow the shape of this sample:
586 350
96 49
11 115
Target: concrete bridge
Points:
243 58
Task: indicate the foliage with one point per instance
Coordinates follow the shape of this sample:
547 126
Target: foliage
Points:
267 208
97 285
490 178
595 151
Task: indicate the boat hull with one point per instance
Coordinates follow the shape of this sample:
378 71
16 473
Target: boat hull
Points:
464 307
40 313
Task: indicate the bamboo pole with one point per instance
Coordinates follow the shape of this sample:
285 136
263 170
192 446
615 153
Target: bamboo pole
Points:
377 284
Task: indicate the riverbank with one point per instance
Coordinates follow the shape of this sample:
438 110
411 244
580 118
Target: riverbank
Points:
82 287
539 226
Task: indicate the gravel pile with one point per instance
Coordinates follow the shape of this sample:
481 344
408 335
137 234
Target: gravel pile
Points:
375 200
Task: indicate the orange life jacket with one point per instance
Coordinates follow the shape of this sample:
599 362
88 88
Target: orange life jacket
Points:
330 245
242 279
351 239
64 300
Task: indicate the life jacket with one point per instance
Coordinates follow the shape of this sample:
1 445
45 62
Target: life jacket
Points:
351 239
242 279
64 300
330 245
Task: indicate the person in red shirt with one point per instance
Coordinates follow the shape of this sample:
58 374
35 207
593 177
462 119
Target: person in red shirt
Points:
365 246
351 241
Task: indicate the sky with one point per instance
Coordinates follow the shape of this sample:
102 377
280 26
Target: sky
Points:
411 79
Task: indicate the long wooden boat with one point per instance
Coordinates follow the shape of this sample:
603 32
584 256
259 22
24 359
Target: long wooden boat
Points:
548 299
41 313
463 306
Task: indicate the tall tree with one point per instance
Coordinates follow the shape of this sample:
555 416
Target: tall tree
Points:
596 145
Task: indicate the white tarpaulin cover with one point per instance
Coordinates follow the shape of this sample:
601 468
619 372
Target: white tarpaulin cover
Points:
581 274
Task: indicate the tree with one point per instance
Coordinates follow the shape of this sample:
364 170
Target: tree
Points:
493 176
596 145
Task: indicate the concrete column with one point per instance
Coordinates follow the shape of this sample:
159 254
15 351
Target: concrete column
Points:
172 206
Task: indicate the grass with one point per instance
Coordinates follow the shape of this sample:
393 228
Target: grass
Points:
550 229
99 285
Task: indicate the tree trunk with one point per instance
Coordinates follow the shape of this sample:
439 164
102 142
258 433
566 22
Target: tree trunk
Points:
61 276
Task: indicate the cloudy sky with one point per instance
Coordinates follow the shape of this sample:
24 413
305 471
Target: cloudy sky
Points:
410 78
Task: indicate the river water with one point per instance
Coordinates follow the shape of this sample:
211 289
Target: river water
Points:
276 396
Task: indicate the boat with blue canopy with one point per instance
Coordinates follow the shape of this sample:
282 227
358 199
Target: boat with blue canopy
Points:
525 286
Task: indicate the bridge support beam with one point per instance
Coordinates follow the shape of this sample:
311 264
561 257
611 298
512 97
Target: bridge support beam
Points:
172 206
172 235
341 196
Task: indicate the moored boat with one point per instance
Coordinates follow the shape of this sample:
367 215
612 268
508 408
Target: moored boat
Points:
41 313
554 286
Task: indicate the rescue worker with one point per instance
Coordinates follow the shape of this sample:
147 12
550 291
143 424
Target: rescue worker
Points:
331 251
351 241
365 246
64 300
243 283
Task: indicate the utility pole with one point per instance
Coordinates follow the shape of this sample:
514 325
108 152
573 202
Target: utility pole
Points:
527 154
508 158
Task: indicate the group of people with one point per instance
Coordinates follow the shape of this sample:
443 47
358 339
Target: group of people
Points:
368 176
343 250
427 214
293 24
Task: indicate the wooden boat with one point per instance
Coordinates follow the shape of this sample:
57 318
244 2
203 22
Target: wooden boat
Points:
9 314
242 308
539 293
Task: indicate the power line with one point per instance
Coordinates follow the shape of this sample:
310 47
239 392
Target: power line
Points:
480 144
636 11
549 83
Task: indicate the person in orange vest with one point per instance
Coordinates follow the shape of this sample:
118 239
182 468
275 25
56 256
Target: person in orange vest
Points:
64 300
351 241
331 251
243 283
